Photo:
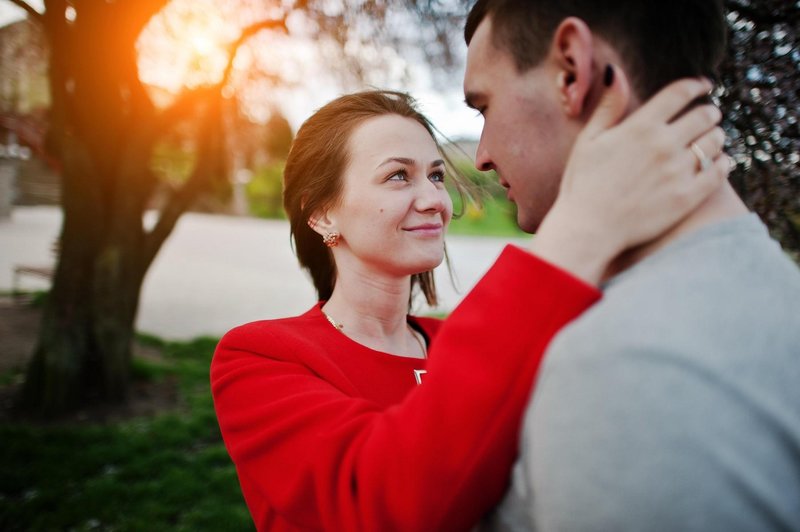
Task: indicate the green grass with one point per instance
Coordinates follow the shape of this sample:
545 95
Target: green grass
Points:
168 472
497 217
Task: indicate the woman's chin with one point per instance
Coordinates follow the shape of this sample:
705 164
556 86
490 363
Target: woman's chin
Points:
427 265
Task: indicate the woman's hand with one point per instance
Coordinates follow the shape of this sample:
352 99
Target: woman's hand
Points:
628 183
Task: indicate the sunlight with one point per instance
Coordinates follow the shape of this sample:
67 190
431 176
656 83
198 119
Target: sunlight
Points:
203 44
187 45
196 34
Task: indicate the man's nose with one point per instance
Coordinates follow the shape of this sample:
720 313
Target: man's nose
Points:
483 161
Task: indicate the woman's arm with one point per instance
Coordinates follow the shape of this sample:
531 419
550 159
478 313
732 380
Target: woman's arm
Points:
436 461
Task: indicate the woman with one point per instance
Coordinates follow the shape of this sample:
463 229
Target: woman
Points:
323 414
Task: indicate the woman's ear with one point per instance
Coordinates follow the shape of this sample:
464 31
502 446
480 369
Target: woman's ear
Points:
572 54
322 223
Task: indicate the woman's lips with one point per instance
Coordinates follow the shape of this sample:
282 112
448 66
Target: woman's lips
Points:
425 229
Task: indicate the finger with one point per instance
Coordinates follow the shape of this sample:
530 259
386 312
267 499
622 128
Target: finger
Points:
705 183
612 105
708 180
708 146
695 123
672 99
712 142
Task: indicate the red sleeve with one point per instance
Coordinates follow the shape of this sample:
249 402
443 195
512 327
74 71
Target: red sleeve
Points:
436 461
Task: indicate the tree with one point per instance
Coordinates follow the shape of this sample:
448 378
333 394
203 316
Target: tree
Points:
104 126
103 129
279 136
762 108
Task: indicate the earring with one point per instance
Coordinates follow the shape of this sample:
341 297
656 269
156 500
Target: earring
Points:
331 239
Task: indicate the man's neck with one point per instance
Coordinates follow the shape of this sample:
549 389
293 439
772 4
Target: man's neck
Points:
721 205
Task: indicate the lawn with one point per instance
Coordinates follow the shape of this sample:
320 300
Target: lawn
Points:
167 472
496 217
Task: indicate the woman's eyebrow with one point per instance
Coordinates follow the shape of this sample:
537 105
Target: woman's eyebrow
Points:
409 162
401 160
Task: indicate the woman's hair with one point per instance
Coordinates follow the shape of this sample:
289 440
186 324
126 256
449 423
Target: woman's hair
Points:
312 179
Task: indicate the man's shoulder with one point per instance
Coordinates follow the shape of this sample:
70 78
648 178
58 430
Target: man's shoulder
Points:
728 273
690 355
726 303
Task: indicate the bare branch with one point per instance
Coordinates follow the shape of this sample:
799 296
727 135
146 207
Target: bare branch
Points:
248 32
32 13
188 100
184 106
208 166
209 147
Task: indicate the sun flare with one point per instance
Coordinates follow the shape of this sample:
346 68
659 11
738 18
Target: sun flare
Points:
203 44
185 45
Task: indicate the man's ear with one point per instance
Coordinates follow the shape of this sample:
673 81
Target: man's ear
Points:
322 223
572 54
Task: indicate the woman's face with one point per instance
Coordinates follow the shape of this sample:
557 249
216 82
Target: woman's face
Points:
394 208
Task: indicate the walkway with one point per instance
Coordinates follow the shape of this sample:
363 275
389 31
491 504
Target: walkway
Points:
215 272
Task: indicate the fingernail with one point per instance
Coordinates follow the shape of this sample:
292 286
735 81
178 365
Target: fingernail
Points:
608 77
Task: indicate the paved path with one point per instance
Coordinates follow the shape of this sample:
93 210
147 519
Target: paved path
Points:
215 272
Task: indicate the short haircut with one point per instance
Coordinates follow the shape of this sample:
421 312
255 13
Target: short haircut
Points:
659 40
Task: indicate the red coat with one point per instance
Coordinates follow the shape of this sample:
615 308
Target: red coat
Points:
327 434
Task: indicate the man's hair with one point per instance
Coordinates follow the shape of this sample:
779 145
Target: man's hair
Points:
659 40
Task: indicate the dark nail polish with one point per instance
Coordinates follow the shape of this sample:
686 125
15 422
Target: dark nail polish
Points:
608 77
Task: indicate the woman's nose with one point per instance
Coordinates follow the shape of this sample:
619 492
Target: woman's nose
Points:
431 197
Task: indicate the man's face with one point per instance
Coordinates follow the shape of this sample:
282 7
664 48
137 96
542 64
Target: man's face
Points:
524 138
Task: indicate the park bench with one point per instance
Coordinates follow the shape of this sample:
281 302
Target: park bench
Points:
45 272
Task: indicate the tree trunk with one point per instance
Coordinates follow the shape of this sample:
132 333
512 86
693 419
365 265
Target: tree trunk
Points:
103 129
84 350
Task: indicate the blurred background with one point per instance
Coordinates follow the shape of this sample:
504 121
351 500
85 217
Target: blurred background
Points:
142 144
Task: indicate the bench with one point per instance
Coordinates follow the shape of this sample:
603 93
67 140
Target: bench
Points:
41 272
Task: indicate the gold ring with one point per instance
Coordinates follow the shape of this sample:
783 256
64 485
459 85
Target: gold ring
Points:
702 158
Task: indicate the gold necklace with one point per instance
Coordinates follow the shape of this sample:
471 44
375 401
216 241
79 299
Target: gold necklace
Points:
337 326
414 333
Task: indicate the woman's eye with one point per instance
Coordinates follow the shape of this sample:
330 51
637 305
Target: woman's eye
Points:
399 176
437 177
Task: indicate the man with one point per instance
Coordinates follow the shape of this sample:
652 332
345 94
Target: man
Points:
673 403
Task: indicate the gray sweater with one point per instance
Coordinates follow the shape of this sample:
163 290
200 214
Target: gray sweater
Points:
674 403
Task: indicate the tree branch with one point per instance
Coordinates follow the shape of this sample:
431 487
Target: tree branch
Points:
249 31
208 165
32 13
188 100
210 142
184 105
